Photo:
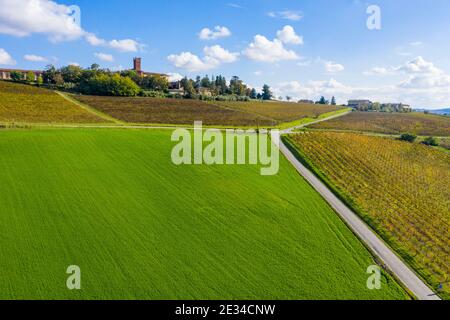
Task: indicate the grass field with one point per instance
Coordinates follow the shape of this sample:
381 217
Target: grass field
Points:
185 112
401 189
111 202
27 104
390 123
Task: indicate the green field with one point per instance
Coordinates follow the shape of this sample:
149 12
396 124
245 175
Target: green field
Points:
111 202
20 103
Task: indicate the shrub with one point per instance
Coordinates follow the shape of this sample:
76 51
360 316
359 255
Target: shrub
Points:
152 94
430 141
16 76
408 137
110 85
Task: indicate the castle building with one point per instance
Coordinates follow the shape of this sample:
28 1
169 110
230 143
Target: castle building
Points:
137 66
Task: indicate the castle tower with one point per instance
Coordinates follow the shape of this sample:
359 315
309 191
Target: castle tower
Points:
137 65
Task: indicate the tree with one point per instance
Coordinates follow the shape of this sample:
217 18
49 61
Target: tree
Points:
266 93
205 82
333 101
40 81
155 82
111 85
288 98
95 66
16 76
71 74
58 79
253 94
430 141
408 137
237 86
30 77
49 74
322 100
189 89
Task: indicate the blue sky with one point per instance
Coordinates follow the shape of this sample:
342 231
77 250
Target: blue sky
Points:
304 48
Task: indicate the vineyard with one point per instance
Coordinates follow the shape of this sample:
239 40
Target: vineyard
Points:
23 103
280 111
171 111
185 112
390 123
402 190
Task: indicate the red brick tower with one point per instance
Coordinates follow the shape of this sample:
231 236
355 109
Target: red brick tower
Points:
137 65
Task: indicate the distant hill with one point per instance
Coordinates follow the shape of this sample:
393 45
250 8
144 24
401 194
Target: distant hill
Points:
445 111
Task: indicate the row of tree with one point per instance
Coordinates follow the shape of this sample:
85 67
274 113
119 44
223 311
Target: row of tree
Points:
219 87
322 100
97 81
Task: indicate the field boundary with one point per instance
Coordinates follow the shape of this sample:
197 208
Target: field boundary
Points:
369 237
90 109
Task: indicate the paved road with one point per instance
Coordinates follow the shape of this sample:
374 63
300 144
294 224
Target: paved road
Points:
290 130
375 244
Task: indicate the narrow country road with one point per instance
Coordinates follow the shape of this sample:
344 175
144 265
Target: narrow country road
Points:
403 273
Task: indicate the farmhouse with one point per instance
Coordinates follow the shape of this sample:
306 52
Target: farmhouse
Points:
367 105
359 104
5 74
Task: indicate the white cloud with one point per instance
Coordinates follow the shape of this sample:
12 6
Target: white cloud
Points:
378 71
220 54
235 5
287 14
214 57
25 17
287 35
262 49
333 67
34 58
258 73
423 74
175 77
75 64
425 86
105 57
416 43
419 65
6 59
218 32
126 45
94 40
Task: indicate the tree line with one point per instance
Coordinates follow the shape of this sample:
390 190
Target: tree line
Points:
97 81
